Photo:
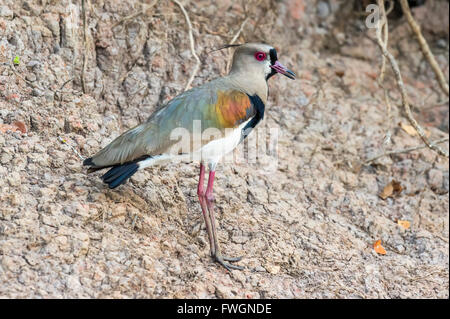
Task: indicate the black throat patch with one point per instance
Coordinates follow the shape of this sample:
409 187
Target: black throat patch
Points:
259 108
273 56
273 59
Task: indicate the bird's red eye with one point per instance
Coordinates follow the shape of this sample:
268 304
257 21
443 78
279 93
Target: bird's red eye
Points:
260 56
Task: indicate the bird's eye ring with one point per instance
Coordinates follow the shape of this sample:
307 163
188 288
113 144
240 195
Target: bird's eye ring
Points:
260 56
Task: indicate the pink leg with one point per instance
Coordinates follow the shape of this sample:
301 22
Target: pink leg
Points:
209 189
202 200
210 204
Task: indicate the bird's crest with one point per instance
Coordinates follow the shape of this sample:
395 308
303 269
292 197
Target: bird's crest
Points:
226 46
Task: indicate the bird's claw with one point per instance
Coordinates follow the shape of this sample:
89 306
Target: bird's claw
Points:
231 259
221 260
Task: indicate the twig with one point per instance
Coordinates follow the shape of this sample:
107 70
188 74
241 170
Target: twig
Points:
205 27
424 46
390 8
235 37
127 18
387 137
192 45
85 54
385 30
406 150
73 148
64 84
238 33
134 221
144 8
59 92
401 85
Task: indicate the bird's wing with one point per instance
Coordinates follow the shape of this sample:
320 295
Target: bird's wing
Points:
214 106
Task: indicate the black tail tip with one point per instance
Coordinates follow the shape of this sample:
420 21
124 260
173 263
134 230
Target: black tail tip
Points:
88 162
119 174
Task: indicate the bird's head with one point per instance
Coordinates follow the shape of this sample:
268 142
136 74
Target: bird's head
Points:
258 58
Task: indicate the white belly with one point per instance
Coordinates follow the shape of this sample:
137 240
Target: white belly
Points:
211 153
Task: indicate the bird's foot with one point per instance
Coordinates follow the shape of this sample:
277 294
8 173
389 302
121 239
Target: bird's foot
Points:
232 259
222 261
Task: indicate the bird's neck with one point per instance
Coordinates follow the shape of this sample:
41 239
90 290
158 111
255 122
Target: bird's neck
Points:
252 84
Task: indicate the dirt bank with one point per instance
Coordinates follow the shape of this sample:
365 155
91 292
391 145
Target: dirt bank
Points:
305 229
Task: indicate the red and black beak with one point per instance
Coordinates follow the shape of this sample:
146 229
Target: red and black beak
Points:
277 67
280 68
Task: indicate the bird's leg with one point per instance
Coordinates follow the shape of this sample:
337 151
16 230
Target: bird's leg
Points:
210 204
202 200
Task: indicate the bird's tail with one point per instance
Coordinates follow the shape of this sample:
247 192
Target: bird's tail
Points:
118 174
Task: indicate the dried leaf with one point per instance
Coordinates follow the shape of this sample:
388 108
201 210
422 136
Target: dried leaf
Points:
397 186
404 223
21 126
378 248
411 130
388 190
340 73
391 189
16 126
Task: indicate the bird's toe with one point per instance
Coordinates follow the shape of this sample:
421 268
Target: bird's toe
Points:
232 259
221 260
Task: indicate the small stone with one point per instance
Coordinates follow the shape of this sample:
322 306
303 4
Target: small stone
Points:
446 182
37 92
5 158
80 244
442 43
223 292
73 283
31 77
5 12
400 248
31 259
435 179
273 269
33 63
239 239
14 179
147 263
62 242
10 263
323 9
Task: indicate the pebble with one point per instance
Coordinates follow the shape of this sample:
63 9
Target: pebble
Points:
323 9
37 92
435 178
64 234
5 12
31 77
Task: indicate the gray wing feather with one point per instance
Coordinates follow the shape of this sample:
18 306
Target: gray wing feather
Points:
153 136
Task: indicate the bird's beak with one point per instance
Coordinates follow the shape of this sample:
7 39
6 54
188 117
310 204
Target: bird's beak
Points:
280 68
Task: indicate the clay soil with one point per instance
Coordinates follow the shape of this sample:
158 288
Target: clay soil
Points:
306 226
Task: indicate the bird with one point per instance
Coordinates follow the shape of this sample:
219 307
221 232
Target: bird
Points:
232 105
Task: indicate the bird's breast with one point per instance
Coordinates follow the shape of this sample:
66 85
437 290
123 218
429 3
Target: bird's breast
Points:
232 109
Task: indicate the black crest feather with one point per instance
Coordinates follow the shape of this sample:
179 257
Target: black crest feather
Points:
226 46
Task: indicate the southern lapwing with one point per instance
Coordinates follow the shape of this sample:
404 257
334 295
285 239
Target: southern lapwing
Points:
233 104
